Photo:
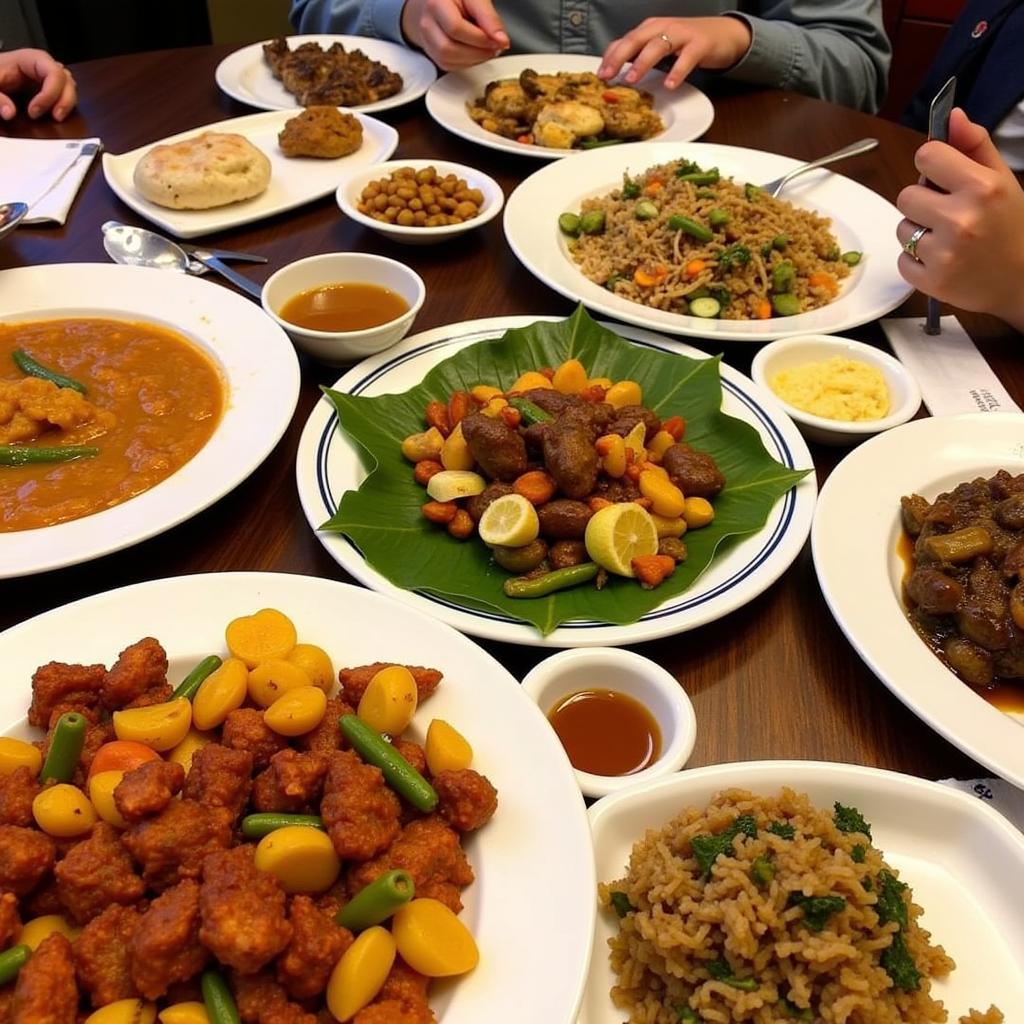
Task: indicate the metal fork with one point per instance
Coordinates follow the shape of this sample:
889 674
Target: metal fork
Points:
854 149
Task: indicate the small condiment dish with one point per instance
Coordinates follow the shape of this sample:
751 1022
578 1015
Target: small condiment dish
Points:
339 347
351 188
611 668
788 353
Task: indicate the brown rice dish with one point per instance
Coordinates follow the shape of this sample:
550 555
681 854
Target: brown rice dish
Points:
688 240
769 910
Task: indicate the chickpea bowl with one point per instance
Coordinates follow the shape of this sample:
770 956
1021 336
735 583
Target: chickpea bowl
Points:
420 202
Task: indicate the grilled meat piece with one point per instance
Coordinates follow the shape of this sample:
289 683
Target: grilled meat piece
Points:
695 473
570 458
498 449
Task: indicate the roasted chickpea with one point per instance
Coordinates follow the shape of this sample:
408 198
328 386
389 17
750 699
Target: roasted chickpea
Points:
466 210
405 218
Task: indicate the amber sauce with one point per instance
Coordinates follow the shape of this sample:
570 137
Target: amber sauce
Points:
605 732
346 306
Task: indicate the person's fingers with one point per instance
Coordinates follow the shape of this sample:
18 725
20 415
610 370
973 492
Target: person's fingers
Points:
617 53
905 232
973 141
482 12
949 169
68 98
654 50
448 54
913 272
922 205
688 59
7 107
449 19
52 85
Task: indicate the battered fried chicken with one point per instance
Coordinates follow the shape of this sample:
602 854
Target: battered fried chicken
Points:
166 948
25 857
103 955
360 812
317 944
45 992
95 873
321 132
148 789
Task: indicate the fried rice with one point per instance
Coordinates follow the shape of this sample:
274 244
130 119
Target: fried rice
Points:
794 919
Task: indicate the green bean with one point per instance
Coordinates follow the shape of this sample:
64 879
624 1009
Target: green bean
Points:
851 258
689 227
592 222
27 364
752 192
398 773
188 686
598 143
23 455
569 224
786 304
530 413
256 826
620 903
65 748
701 177
645 210
705 193
11 961
783 277
559 579
718 218
220 1004
613 281
377 901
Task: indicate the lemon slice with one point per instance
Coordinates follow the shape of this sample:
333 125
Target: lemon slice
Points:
511 521
616 534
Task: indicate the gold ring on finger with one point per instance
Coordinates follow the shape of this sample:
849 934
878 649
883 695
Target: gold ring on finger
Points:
668 42
910 245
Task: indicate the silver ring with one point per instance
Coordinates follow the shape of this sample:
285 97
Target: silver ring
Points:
910 245
668 42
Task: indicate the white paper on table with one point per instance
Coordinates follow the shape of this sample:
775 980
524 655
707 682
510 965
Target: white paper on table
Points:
44 174
997 793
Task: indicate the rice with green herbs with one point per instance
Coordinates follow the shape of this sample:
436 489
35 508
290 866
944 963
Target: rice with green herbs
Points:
756 256
769 910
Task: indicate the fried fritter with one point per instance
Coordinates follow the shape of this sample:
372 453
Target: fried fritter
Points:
321 132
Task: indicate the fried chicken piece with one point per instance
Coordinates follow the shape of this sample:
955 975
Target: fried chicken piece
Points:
321 132
354 681
95 873
413 753
293 782
156 695
25 857
6 1004
326 737
244 729
242 911
401 1000
139 667
10 922
148 789
43 900
166 948
103 958
360 812
317 944
220 777
17 791
261 1000
74 686
466 799
46 992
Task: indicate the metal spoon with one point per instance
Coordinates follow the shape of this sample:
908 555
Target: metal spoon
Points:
854 149
11 214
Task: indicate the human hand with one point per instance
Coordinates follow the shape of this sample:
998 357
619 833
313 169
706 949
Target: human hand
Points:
454 33
713 43
20 70
972 255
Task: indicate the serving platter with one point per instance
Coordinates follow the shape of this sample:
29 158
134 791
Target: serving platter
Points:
245 76
856 531
328 464
293 180
511 856
686 112
261 379
861 219
931 833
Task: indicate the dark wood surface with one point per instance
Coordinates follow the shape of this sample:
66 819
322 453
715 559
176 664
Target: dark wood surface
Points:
776 679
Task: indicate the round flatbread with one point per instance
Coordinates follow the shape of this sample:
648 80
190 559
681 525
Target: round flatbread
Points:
212 169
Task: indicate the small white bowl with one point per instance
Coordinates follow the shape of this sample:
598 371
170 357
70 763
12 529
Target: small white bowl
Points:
339 347
351 188
787 353
610 668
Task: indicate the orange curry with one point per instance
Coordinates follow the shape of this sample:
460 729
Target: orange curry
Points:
152 400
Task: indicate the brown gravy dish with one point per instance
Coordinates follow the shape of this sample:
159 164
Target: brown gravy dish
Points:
346 306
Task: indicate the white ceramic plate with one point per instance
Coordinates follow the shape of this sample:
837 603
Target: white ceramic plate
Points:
931 833
261 376
861 219
328 464
856 529
245 76
532 913
293 180
686 112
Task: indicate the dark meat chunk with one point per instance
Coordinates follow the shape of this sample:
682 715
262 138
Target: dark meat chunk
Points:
564 553
551 401
10 922
261 1000
431 852
401 1000
629 416
563 519
148 789
172 845
242 911
317 944
913 510
570 457
480 503
1013 560
69 686
166 948
244 729
972 663
616 490
17 791
1002 485
413 753
695 473
97 872
497 448
219 777
292 784
983 615
326 737
466 799
354 681
103 955
140 667
25 857
46 992
1009 513
933 591
360 812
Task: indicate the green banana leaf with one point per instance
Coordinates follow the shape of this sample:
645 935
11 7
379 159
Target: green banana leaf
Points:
382 518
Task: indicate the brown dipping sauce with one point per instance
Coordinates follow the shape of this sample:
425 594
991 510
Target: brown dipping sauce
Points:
345 306
606 733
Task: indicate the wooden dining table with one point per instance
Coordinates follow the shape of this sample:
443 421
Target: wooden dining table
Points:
774 680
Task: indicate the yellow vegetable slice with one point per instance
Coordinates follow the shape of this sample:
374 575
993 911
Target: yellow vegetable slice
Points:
124 1011
184 1013
511 522
666 499
316 663
159 726
455 453
302 859
219 694
530 380
33 932
626 392
274 678
698 512
360 973
455 484
389 700
619 533
255 638
101 796
446 748
63 811
635 442
297 712
570 378
15 754
184 752
432 940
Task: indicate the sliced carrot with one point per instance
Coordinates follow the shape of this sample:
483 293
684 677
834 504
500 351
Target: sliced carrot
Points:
763 310
650 275
121 756
674 425
536 486
526 140
694 268
653 187
610 96
822 279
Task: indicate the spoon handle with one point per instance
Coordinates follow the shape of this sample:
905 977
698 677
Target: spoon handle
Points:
854 149
215 264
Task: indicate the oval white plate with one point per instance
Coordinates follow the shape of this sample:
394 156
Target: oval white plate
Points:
532 914
245 76
931 833
686 112
856 529
861 219
293 180
328 464
261 375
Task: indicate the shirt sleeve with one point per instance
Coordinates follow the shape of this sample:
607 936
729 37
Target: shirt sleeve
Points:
837 50
379 19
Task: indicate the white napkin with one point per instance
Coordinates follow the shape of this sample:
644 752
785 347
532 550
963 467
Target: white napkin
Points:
45 173
997 793
951 372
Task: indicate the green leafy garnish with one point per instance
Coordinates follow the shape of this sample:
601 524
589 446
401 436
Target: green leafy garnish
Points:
891 905
817 909
762 871
707 848
796 1012
721 971
858 853
686 1015
900 966
735 253
849 819
782 829
620 903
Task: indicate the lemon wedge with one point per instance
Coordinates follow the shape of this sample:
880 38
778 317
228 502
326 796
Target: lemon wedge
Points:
616 534
511 521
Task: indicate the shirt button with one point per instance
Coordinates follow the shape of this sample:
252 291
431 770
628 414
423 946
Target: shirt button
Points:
576 19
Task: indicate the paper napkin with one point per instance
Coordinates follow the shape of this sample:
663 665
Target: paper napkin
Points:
997 793
45 173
